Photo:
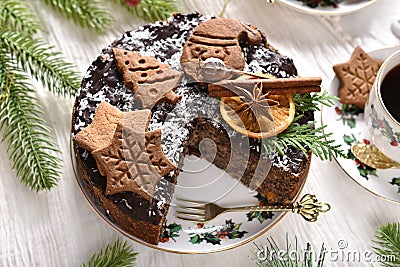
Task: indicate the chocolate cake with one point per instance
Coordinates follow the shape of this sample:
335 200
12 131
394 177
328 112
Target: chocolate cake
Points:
184 122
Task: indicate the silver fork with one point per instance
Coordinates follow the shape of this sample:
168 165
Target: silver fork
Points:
308 207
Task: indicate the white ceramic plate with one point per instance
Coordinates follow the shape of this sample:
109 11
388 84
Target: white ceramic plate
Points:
348 6
197 181
348 127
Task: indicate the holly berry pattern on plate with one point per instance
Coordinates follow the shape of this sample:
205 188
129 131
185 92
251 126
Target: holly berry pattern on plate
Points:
363 169
261 216
215 235
170 232
348 114
396 182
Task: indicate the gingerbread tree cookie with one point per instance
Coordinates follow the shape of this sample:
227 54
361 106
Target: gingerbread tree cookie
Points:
151 81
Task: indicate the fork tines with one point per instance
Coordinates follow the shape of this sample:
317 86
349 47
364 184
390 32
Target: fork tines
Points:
192 210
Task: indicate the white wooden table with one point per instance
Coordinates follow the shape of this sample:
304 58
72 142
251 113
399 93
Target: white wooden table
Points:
59 228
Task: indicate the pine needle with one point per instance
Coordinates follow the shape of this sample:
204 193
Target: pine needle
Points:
29 140
86 13
18 16
387 239
116 255
306 137
313 102
45 65
152 10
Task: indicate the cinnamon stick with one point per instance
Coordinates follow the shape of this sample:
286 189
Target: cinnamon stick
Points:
298 85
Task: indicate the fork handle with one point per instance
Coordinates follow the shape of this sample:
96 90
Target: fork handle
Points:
308 207
262 208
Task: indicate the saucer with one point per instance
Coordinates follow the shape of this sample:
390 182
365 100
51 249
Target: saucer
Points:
346 122
345 7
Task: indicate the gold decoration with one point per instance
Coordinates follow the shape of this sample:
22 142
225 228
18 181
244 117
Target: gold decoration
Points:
371 156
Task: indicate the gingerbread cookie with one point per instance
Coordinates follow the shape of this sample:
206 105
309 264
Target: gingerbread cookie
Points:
356 77
159 88
134 162
136 68
150 80
101 131
218 38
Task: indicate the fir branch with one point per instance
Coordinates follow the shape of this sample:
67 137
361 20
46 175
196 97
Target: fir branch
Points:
116 255
37 58
29 141
387 239
18 16
312 102
304 137
271 255
86 13
152 10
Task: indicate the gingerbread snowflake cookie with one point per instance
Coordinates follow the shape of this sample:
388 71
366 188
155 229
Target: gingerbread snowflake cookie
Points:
134 162
131 158
356 77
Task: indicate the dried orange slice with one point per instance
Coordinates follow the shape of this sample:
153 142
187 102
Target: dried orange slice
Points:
258 115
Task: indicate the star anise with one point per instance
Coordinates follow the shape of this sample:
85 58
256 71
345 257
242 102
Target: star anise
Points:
256 103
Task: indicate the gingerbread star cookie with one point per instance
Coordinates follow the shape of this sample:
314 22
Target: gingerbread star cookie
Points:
218 38
134 162
357 77
100 132
150 80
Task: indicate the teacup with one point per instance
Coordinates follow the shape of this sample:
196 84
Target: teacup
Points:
382 109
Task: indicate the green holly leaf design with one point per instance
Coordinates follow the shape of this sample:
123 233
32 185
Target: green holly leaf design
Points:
351 110
349 140
215 240
261 216
387 129
351 123
195 239
350 155
239 234
176 228
170 232
348 114
397 136
230 230
396 181
365 170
